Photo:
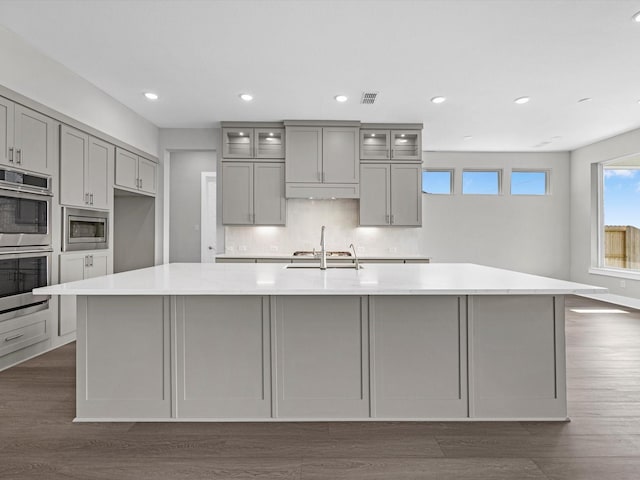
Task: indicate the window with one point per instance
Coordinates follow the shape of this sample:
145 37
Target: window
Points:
437 182
481 182
619 224
529 182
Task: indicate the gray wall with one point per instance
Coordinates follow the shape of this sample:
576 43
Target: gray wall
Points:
524 233
583 211
133 231
184 203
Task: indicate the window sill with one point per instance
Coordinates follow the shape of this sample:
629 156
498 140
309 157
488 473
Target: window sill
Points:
615 272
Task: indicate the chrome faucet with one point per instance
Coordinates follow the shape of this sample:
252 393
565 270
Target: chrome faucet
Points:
323 250
355 255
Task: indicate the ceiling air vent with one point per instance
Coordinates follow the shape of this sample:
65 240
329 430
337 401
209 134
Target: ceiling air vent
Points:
369 98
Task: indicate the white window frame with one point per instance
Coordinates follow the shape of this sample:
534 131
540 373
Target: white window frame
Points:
451 175
597 225
471 170
547 181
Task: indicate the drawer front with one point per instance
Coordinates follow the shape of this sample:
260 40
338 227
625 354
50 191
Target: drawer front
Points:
22 337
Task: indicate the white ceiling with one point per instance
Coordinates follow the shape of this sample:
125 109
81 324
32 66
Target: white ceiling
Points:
294 56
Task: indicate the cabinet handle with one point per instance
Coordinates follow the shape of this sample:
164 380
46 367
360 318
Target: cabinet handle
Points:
141 183
19 156
91 257
393 153
387 218
392 219
11 154
91 198
86 198
86 260
14 337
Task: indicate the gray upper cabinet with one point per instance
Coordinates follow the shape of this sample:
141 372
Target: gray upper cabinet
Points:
252 142
390 194
322 160
399 142
135 173
375 144
253 193
85 166
25 138
237 142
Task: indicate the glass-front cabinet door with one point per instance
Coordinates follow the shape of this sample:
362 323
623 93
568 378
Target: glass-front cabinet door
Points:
406 145
374 144
269 142
237 142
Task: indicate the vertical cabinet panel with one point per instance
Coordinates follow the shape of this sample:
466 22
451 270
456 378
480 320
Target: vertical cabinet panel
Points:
147 175
517 357
223 357
375 196
98 171
71 269
126 169
74 150
322 363
269 202
304 154
237 193
340 154
406 194
123 367
33 133
7 108
419 358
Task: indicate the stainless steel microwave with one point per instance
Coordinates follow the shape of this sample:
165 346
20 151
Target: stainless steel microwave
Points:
84 229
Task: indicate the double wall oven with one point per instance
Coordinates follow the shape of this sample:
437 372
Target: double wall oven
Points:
25 241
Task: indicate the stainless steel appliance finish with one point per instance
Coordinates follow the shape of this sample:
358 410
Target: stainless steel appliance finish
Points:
20 273
84 229
25 210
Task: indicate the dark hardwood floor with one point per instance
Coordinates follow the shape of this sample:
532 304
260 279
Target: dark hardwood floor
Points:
38 440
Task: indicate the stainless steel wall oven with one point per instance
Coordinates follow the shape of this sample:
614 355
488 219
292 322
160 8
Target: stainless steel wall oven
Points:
21 272
25 210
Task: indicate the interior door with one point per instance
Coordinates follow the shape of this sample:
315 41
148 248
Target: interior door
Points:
208 240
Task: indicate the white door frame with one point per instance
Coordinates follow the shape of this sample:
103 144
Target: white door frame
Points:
207 179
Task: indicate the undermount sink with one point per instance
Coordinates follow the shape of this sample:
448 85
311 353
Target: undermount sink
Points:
352 266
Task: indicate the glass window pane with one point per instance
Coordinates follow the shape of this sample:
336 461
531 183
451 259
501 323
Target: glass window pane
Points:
528 183
437 182
621 197
481 183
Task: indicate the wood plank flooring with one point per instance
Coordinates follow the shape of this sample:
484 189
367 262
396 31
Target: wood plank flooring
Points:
38 440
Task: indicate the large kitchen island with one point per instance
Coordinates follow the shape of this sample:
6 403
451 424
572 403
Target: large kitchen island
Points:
263 342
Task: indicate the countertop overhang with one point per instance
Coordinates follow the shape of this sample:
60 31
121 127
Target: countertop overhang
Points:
275 279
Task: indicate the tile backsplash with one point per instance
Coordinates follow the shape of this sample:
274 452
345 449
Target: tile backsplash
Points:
304 219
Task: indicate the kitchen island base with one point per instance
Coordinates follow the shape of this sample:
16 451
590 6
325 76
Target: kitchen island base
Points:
320 357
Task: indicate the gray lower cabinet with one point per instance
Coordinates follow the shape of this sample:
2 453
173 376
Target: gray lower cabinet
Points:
419 359
253 193
517 361
223 357
123 357
321 356
78 266
391 194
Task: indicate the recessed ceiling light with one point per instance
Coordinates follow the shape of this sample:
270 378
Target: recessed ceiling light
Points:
151 96
438 99
522 100
341 98
636 17
246 97
585 100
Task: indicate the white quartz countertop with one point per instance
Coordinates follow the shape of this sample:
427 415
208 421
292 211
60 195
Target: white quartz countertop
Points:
275 279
